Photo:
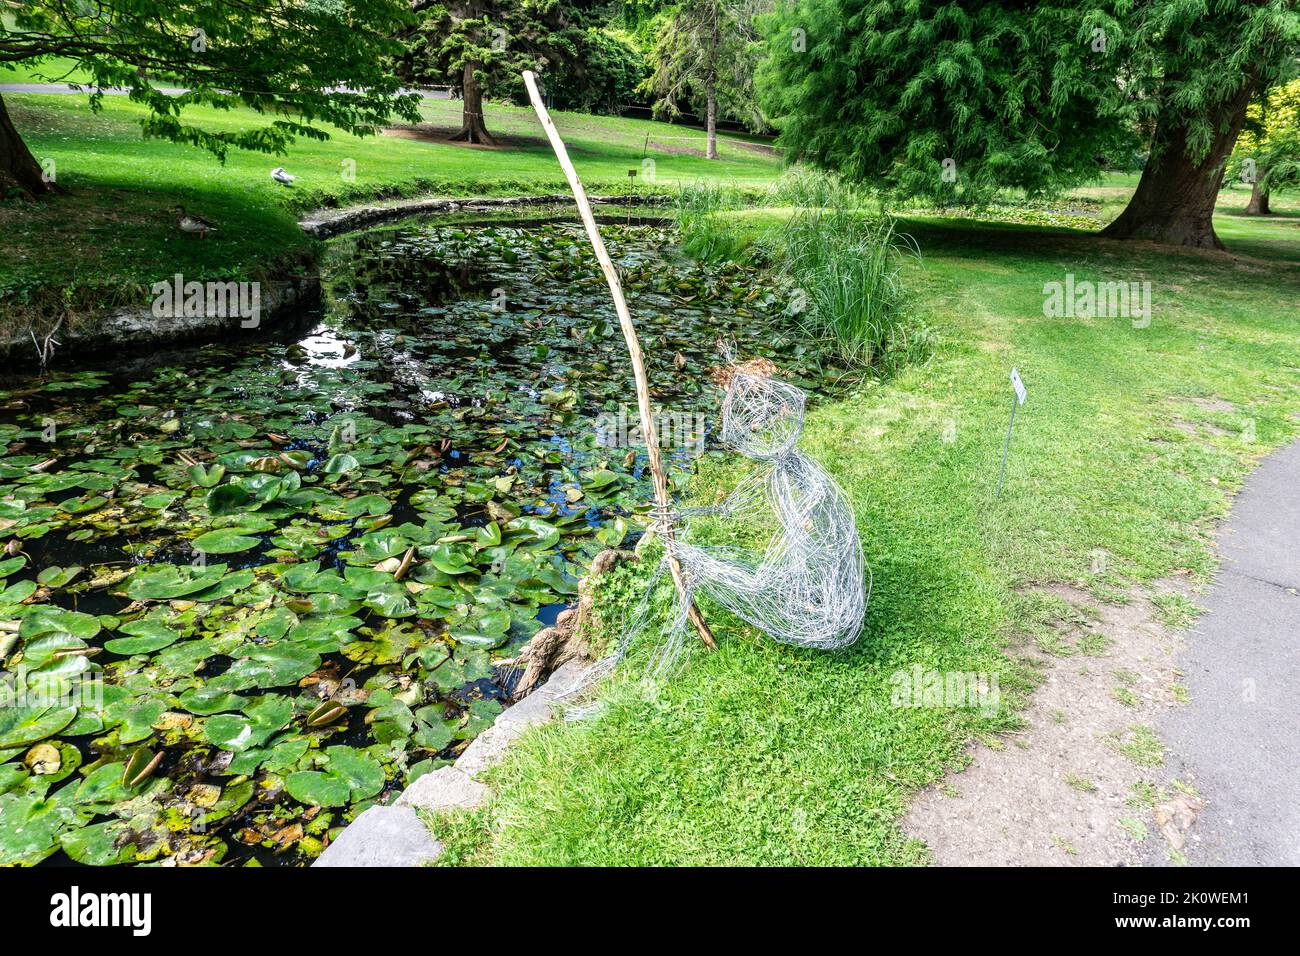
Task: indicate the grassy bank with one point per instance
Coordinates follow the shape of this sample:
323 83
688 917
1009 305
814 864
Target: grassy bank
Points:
1129 448
112 235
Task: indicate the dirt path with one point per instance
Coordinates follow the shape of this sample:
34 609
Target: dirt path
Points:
1083 783
1123 760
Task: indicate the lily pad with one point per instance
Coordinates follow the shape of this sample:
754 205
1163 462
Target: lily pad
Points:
318 789
100 844
147 636
166 581
23 725
206 477
29 828
224 541
228 499
56 577
340 464
272 666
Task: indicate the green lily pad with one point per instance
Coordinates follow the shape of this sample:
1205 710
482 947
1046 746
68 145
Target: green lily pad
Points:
98 844
228 499
29 828
210 700
162 582
432 731
159 500
450 561
274 665
318 789
238 732
56 577
540 534
364 776
612 533
22 725
366 505
224 541
147 636
17 592
43 621
349 775
340 464
206 477
103 786
134 717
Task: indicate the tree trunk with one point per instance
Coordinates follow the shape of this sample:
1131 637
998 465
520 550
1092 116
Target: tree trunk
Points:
711 119
1174 202
1258 205
18 167
472 127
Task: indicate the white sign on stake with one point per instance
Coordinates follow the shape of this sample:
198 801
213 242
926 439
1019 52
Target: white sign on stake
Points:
1019 400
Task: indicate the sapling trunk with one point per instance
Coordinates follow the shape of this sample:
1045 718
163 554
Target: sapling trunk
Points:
1258 205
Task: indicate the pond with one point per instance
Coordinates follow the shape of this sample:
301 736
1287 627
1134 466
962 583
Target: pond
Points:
250 588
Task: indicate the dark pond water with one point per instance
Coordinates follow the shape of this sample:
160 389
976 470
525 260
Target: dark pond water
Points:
250 588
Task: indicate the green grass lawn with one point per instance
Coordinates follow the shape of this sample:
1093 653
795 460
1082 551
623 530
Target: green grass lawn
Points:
53 70
112 235
760 753
763 754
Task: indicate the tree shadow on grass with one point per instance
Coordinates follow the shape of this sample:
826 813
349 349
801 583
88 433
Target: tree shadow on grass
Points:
1005 244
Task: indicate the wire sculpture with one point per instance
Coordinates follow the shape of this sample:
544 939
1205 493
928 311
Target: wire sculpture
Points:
808 587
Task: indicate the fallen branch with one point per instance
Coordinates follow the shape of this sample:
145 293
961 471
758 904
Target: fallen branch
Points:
45 350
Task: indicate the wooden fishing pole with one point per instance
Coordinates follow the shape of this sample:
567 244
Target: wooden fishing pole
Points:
657 476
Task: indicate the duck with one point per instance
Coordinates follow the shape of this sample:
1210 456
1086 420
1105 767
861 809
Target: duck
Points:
195 225
280 176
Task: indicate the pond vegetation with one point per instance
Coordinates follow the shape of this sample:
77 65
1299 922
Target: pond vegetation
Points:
840 254
250 588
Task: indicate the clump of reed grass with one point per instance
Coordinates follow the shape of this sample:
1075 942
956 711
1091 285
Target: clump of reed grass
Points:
706 236
843 259
847 268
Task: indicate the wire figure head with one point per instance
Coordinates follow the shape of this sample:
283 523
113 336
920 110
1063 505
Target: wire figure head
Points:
762 417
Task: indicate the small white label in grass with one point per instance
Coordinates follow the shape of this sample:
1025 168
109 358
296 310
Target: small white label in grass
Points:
1019 400
1019 386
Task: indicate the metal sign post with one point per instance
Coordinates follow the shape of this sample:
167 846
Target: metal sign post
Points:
1017 399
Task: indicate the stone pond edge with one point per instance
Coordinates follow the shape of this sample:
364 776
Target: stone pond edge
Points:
328 223
139 329
136 331
393 834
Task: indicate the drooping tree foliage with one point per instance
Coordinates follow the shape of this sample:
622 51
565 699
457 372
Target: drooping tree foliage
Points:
1192 68
607 76
482 46
708 51
952 101
302 62
635 14
1267 155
